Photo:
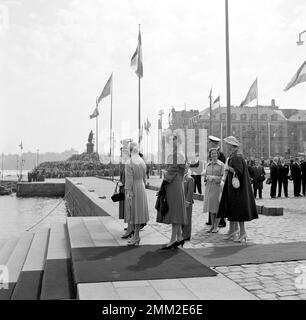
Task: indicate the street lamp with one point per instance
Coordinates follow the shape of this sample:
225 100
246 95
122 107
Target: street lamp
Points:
300 42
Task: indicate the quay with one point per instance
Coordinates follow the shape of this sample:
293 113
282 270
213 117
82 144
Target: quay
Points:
85 257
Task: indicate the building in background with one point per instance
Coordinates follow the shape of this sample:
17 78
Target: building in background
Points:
281 131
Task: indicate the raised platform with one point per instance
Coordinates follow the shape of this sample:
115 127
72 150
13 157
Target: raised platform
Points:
40 189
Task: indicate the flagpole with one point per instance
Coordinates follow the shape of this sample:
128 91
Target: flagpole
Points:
269 139
139 115
97 151
258 151
228 85
111 124
210 113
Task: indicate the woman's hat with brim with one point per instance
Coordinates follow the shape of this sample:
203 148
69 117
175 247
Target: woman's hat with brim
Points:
232 141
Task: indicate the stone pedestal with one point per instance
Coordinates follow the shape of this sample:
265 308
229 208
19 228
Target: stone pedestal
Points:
90 147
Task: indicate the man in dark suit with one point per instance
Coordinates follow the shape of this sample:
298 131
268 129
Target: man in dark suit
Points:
274 176
258 178
303 169
296 177
213 142
283 172
188 190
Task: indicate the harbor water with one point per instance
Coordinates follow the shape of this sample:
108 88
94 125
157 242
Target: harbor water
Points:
19 214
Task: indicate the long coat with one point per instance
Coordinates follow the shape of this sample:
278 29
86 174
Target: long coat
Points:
175 196
258 177
213 188
136 211
238 204
121 190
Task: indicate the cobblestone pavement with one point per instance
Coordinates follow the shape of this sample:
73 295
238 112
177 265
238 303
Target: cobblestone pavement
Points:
274 281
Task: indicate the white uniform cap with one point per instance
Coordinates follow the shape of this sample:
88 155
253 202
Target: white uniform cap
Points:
213 138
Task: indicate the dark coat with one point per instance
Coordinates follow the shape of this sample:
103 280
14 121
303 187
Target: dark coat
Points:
121 190
296 172
221 156
283 172
274 172
238 204
303 169
258 177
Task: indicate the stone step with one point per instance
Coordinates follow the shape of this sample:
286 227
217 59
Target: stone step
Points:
15 263
29 282
57 282
7 249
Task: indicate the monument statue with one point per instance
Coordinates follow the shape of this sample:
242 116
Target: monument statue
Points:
90 137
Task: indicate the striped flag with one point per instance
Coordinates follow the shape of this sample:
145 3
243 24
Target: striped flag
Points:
136 61
252 94
216 104
299 77
107 90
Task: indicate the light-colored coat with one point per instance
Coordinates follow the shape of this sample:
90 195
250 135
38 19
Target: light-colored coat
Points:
213 188
136 210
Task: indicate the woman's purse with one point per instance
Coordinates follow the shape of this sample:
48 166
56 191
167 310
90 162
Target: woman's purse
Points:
117 196
268 181
235 181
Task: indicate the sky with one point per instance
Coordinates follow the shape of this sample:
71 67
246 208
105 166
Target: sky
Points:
56 56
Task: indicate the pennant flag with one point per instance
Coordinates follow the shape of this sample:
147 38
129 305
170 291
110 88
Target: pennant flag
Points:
210 94
95 113
252 94
21 146
299 77
136 61
216 104
148 125
107 90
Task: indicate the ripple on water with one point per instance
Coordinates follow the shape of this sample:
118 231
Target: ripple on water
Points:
18 214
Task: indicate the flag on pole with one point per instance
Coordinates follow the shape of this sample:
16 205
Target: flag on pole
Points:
216 104
95 112
210 93
136 61
252 94
299 77
148 125
107 90
21 146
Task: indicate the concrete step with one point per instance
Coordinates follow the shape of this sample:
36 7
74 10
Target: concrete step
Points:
29 282
7 249
15 263
57 280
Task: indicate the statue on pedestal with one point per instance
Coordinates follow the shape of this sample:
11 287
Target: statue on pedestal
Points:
90 145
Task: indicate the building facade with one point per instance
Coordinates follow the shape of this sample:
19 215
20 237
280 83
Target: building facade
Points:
264 132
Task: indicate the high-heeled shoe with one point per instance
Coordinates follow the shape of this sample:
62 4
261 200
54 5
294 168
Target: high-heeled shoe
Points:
232 236
128 235
242 238
180 243
170 246
134 242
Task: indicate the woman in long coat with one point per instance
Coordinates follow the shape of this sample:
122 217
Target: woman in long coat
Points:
176 215
136 209
237 205
213 175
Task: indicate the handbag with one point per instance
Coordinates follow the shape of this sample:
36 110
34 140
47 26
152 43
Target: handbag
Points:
268 181
235 181
117 196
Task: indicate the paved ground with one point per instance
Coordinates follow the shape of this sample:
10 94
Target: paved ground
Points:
266 281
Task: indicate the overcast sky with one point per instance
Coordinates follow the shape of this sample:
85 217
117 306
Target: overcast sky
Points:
56 56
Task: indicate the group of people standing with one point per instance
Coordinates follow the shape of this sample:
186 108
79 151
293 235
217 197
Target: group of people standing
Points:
281 171
228 194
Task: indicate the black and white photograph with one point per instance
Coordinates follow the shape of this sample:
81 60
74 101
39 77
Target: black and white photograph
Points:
153 151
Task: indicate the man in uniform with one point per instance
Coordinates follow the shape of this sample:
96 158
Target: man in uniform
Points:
213 142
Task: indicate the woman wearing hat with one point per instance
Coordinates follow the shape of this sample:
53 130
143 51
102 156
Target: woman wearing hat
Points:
237 203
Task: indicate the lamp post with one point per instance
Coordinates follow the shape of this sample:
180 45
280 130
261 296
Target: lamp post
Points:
228 82
300 42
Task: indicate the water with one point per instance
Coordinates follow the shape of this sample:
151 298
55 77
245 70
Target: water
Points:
18 214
